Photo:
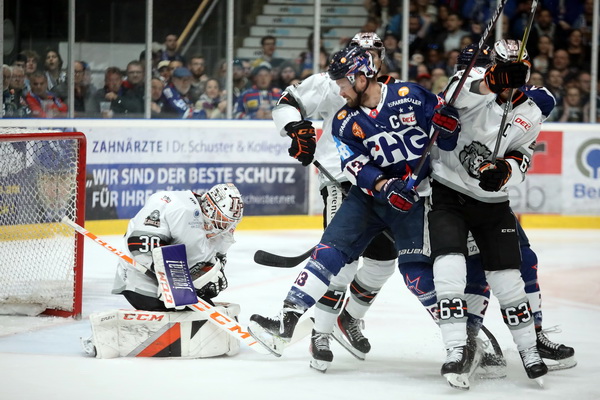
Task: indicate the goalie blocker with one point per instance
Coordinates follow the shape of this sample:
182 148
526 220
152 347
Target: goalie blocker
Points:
183 334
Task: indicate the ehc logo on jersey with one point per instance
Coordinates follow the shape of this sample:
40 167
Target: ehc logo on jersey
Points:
390 147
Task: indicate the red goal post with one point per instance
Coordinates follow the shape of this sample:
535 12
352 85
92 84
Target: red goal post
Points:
42 180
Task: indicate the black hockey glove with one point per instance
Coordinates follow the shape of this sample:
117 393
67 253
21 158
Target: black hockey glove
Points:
394 191
445 120
304 142
503 76
494 176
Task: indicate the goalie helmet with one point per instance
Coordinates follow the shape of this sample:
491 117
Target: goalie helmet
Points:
222 209
369 41
349 62
466 55
507 50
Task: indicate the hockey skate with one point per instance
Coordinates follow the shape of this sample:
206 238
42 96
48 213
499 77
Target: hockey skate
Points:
320 351
275 334
348 332
456 367
561 356
534 366
88 346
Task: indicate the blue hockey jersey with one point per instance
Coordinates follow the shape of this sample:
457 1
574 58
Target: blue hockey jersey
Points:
387 141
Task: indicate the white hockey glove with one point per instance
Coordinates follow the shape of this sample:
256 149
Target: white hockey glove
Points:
209 277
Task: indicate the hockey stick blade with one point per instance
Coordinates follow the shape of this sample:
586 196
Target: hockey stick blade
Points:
273 260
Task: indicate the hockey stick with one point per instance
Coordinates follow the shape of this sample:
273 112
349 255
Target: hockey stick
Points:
211 313
273 260
484 37
508 105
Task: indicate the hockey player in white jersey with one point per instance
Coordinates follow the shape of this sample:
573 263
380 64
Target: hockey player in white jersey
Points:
204 225
469 194
316 98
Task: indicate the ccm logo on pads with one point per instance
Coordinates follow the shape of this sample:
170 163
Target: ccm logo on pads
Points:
523 122
143 317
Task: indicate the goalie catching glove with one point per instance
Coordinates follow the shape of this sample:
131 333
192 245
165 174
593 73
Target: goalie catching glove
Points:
304 142
494 176
209 277
394 191
503 76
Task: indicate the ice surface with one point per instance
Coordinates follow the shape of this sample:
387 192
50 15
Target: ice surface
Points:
40 358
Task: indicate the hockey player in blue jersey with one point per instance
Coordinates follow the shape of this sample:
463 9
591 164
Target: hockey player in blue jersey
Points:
381 134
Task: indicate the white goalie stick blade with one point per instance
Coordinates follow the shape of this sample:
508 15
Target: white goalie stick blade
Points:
274 344
341 339
557 365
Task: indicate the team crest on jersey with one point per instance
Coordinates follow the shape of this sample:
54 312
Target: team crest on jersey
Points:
357 131
342 114
403 91
153 219
472 156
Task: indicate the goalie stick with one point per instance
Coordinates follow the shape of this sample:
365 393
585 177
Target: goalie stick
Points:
231 327
484 37
508 104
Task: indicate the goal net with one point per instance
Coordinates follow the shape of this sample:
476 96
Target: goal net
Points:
42 179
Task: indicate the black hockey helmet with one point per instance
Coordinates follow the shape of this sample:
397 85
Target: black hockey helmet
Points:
466 55
349 62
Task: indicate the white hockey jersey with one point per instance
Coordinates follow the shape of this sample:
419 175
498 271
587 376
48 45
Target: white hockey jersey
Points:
480 117
169 217
318 98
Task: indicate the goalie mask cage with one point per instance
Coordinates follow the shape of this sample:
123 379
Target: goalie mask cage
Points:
42 179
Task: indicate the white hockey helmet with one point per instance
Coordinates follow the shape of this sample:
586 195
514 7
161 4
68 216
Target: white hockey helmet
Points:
506 50
369 41
222 208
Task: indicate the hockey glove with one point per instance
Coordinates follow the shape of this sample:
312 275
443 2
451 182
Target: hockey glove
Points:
445 120
394 191
304 141
494 176
503 76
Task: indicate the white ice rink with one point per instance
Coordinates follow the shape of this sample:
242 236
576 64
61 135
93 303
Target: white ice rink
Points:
41 359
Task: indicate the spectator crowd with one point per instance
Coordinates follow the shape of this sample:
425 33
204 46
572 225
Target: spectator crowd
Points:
559 49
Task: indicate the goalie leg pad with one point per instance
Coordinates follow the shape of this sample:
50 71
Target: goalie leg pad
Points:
186 334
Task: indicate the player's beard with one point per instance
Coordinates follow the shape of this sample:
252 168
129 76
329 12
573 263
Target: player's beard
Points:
353 102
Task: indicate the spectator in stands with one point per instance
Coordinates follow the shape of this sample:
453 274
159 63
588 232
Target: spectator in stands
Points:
434 57
84 104
451 58
170 51
164 72
258 101
583 81
53 64
585 20
156 87
17 80
287 73
210 102
156 54
383 11
269 46
31 65
545 49
572 110
393 56
536 79
20 61
305 60
41 102
130 101
418 32
175 102
241 82
451 37
14 104
197 67
113 78
579 53
554 83
173 65
562 63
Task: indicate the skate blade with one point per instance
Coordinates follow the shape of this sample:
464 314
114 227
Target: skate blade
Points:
275 345
539 381
458 381
320 365
341 339
557 365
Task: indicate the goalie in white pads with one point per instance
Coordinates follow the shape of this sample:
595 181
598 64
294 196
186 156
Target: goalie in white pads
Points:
205 225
